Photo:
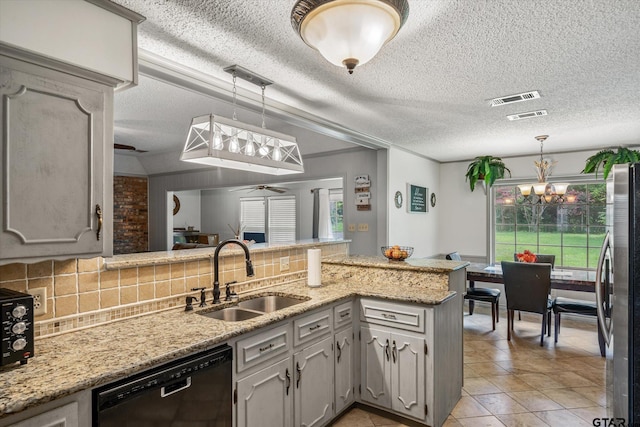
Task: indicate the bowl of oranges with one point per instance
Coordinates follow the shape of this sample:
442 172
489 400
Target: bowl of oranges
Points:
397 253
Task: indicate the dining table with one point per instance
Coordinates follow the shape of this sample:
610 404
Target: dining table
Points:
561 278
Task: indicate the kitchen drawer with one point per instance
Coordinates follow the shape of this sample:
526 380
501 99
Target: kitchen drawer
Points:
310 327
266 345
342 314
395 315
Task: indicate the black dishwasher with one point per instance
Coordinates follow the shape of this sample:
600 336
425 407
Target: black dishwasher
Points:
195 390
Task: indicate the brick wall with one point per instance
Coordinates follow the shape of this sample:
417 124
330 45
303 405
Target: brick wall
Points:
130 215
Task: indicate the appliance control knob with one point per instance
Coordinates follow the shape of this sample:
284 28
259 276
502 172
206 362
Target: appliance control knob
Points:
19 328
19 344
19 311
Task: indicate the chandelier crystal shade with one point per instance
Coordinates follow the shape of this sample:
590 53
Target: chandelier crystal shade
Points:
348 32
543 191
226 143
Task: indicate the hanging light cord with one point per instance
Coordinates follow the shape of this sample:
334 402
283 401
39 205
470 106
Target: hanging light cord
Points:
234 96
264 126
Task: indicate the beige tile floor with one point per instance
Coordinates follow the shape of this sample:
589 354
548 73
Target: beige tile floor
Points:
519 383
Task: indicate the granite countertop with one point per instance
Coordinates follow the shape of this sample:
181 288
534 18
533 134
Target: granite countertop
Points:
84 359
163 257
416 264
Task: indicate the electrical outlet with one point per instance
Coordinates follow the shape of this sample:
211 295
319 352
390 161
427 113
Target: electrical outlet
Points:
352 227
39 301
363 227
284 263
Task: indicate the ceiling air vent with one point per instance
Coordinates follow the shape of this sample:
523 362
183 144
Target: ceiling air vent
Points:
529 115
527 96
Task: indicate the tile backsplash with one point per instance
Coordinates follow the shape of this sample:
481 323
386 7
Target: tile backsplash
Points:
83 293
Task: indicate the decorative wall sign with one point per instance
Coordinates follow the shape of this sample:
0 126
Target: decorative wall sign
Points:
397 199
176 204
417 199
363 193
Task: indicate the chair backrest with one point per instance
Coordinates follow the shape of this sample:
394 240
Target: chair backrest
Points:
526 286
541 259
454 256
256 237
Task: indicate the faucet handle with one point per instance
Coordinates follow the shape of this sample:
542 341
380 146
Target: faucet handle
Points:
228 292
202 296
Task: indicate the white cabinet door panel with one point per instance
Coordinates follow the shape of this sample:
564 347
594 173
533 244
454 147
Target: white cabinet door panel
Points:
375 368
408 384
313 397
344 364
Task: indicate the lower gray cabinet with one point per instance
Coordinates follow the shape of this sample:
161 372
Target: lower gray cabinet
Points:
344 364
393 371
313 393
264 398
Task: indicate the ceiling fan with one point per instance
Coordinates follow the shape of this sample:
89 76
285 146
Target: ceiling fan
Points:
127 148
262 187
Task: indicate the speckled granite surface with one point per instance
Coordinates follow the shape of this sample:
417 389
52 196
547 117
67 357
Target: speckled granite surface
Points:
414 264
84 359
165 257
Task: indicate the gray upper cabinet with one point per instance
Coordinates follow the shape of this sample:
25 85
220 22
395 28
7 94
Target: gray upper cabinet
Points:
56 164
56 118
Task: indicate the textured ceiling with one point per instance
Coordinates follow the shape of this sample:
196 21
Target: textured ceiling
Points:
427 90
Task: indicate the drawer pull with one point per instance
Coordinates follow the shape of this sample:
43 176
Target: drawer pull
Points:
339 350
386 349
313 328
299 372
344 314
389 316
394 352
269 347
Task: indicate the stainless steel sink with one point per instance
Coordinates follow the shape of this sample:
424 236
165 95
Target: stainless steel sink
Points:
269 303
232 314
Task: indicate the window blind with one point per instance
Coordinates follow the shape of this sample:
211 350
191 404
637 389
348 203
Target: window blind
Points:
252 214
282 219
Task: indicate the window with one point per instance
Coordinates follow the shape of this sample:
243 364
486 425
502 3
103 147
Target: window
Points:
335 212
281 219
572 231
277 222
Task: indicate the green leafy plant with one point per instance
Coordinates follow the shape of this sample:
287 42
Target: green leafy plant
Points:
487 169
607 158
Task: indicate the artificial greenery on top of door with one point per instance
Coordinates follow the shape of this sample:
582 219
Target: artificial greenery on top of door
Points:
487 169
607 158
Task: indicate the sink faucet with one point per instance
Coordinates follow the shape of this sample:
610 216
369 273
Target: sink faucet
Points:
216 283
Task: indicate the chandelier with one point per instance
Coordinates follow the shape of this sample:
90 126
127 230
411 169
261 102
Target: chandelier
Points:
543 191
228 143
348 32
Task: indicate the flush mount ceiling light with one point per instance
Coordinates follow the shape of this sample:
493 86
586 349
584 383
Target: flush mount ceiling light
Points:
348 32
229 143
544 192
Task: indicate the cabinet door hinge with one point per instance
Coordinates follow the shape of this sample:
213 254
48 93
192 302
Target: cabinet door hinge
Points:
353 335
426 409
359 336
235 396
360 389
425 348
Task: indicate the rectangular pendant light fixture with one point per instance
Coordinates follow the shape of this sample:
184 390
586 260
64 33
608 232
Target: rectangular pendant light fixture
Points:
226 143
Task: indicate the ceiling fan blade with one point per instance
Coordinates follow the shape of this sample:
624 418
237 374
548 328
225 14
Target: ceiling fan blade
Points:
243 189
277 190
126 147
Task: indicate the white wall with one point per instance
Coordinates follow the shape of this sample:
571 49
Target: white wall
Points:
127 165
189 213
419 230
463 215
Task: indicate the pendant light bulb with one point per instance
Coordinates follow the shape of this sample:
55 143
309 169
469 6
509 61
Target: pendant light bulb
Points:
249 148
217 139
234 144
277 152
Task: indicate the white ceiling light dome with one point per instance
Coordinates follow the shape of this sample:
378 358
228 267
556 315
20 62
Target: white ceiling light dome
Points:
348 32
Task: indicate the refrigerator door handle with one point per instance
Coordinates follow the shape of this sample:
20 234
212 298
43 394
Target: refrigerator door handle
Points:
604 327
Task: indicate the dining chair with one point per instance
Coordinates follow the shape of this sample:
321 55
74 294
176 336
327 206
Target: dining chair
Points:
574 306
489 295
527 287
540 259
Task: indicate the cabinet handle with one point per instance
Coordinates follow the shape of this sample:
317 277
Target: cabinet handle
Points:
386 350
269 347
339 350
394 352
99 215
313 328
389 316
299 373
288 380
344 314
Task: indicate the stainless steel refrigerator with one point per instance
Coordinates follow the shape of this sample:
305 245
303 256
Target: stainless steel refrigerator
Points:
619 299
